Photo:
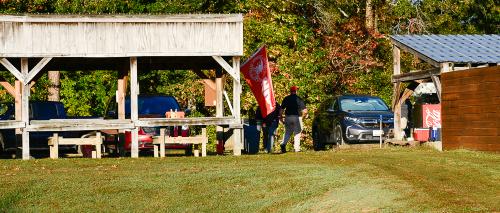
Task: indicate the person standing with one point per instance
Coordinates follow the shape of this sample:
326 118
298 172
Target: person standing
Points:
294 108
269 126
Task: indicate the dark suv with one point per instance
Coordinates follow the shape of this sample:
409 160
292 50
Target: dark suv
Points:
350 119
39 110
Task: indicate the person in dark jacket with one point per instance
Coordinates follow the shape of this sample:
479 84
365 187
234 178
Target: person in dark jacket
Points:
269 126
294 108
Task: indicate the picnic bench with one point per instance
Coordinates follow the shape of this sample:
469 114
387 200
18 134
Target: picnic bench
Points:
159 142
57 140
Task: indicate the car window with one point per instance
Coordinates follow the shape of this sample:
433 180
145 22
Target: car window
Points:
335 105
363 104
155 105
44 110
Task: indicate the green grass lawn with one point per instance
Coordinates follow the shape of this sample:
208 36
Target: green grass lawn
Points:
394 179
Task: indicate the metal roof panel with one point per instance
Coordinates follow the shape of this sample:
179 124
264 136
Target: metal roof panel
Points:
454 48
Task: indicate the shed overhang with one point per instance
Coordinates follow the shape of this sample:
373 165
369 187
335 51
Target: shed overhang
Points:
121 36
436 49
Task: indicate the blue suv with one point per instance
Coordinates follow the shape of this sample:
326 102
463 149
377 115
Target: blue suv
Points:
350 119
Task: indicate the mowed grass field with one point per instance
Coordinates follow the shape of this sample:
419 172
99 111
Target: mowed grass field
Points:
376 180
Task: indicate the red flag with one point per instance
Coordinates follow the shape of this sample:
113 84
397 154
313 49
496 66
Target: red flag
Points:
258 76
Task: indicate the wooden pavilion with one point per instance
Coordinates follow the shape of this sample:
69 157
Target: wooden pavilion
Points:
459 89
33 44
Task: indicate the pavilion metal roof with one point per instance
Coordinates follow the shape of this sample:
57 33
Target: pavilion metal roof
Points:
452 48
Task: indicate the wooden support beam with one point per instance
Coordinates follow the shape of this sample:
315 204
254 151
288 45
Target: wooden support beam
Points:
54 146
219 106
36 69
79 125
17 106
134 108
396 57
415 75
237 133
396 60
25 110
226 67
228 102
7 86
219 88
197 121
10 124
20 76
205 141
162 142
437 84
121 93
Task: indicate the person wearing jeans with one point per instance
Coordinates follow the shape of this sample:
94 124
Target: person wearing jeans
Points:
269 124
294 108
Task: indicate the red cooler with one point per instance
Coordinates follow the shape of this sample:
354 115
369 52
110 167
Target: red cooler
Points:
421 134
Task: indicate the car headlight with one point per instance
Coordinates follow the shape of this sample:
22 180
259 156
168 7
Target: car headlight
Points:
351 119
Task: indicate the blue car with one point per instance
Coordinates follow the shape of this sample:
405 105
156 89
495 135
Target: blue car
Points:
39 110
350 119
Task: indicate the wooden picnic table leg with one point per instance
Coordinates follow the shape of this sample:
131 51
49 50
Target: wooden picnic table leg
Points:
162 142
196 150
155 150
98 145
54 148
204 142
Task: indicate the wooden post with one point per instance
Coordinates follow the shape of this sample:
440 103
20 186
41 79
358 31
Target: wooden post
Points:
25 110
444 67
98 145
134 110
18 113
121 93
120 100
219 88
54 77
437 84
162 142
236 106
205 141
219 108
396 56
54 147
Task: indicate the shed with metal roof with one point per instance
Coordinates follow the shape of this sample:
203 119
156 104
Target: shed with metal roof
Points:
445 54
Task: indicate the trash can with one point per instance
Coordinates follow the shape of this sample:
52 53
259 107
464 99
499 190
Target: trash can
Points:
251 139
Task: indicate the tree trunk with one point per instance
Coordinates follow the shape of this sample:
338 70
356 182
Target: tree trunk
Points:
369 16
54 86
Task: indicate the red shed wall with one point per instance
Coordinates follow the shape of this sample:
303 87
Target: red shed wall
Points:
471 109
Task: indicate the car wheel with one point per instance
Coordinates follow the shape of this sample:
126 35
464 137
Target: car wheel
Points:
339 135
317 143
